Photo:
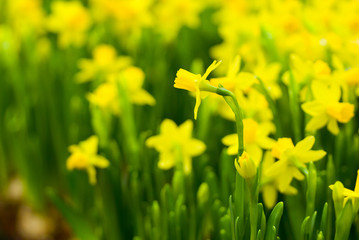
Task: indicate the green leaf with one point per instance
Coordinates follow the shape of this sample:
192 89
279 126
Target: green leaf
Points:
344 222
273 221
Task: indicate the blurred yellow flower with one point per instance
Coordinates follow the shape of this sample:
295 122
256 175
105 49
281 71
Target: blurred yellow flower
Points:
176 145
195 83
107 97
235 80
31 19
171 15
255 139
132 79
70 20
245 166
105 61
291 158
270 184
127 16
326 109
84 157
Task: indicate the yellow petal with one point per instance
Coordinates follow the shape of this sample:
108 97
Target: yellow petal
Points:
213 66
311 156
89 145
313 108
269 193
333 126
101 162
91 171
305 145
185 130
317 122
230 139
195 147
167 160
186 80
198 102
142 97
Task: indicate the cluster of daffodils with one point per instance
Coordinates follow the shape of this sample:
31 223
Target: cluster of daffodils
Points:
280 161
75 23
118 83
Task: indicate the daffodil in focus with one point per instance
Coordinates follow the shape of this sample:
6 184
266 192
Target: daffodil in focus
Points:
255 139
105 61
245 166
326 109
195 83
176 145
84 157
70 20
291 160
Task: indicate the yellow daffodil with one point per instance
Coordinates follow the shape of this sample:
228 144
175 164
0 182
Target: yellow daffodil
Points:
105 61
70 20
290 159
305 70
268 73
106 96
341 195
171 15
270 184
245 166
132 78
326 109
195 83
350 193
255 139
84 157
235 80
176 145
31 18
127 16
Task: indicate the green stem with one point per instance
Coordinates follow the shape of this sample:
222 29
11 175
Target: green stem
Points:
253 205
231 100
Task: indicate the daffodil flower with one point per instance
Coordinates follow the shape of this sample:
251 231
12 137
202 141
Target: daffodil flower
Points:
341 195
245 166
255 139
291 159
131 78
176 145
71 20
84 157
326 109
350 193
195 83
270 184
103 63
